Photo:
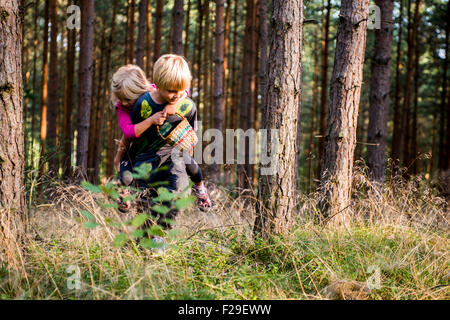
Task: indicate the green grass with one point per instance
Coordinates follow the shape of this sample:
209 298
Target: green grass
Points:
215 256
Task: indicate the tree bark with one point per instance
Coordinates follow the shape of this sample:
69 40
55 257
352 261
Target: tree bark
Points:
12 192
44 81
277 193
324 86
142 28
219 100
178 23
395 153
404 132
186 28
345 91
85 84
68 106
379 93
158 26
53 92
148 60
442 160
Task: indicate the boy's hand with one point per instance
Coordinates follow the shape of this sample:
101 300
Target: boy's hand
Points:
159 117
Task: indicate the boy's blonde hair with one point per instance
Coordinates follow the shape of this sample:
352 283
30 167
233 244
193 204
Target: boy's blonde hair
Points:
128 83
171 72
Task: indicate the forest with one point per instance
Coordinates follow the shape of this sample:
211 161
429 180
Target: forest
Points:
323 144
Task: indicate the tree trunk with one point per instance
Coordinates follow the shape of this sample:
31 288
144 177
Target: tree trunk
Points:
35 96
345 91
109 119
219 104
53 92
404 133
198 55
414 155
68 106
142 28
44 81
277 193
205 71
324 86
315 99
12 191
395 153
442 162
178 23
131 27
186 28
148 60
158 26
85 84
379 93
247 90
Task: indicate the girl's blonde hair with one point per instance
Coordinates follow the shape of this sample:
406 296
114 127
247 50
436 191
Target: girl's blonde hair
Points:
128 83
171 72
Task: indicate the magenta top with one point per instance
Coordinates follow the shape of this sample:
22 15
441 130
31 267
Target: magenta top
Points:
123 114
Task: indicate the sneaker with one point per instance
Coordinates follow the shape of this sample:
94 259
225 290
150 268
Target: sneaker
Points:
203 200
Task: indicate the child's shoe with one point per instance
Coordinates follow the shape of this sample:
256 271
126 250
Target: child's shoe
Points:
124 206
203 200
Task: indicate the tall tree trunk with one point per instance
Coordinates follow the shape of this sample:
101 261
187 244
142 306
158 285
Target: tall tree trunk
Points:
414 155
35 96
205 71
219 101
109 119
186 28
315 100
178 23
247 90
142 28
158 26
198 55
345 92
53 92
277 193
12 193
131 29
447 156
395 153
148 60
85 84
324 86
442 162
404 133
44 81
68 106
379 92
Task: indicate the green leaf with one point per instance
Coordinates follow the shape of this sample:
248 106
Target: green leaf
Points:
110 192
90 225
138 233
142 172
90 187
160 209
164 195
150 244
88 215
156 231
120 240
139 220
184 203
108 205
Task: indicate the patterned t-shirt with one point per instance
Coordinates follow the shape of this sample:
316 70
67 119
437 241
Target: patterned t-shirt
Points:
150 143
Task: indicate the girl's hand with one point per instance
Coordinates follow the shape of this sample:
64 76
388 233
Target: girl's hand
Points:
159 118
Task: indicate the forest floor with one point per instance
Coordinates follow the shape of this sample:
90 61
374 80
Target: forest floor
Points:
395 247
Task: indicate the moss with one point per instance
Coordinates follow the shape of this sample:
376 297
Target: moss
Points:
8 87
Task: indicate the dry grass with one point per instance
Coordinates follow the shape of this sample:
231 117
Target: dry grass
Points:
397 239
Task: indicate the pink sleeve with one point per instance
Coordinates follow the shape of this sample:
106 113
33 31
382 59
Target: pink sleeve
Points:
125 122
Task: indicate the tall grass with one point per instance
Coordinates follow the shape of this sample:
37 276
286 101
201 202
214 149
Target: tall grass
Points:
395 247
